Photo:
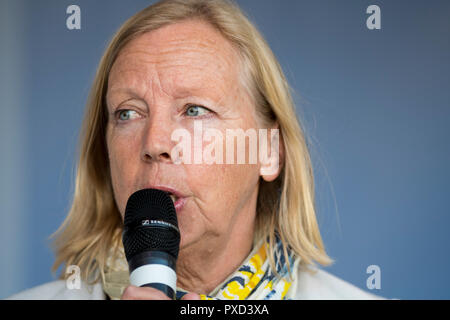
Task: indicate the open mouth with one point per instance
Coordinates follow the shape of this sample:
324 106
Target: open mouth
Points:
178 199
173 197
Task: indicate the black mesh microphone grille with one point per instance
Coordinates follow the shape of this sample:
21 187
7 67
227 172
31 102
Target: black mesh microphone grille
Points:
151 203
156 205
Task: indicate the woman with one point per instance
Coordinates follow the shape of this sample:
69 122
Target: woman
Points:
246 232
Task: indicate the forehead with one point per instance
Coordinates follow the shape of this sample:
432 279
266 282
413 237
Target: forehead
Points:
180 58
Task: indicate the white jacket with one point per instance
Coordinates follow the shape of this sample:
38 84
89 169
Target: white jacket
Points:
317 286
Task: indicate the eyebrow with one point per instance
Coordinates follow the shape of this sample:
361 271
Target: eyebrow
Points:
123 91
184 93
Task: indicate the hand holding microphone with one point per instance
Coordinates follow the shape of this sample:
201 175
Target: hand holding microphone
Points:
147 293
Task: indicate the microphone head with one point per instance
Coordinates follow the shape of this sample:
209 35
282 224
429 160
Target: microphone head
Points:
150 224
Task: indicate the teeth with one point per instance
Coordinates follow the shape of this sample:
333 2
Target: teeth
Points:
173 197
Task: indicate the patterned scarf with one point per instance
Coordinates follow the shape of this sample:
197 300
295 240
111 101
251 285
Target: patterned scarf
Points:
254 280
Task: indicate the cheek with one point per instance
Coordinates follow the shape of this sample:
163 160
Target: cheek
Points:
122 154
223 189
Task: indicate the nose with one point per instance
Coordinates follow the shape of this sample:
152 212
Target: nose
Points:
157 143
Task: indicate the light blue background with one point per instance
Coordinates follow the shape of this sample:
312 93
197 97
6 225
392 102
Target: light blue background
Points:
375 105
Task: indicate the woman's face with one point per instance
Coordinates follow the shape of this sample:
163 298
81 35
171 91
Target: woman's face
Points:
165 80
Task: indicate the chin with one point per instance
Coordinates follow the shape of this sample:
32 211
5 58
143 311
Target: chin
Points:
188 238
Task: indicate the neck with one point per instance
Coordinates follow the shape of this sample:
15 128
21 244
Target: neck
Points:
201 270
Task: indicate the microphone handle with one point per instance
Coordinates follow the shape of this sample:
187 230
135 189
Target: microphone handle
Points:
155 269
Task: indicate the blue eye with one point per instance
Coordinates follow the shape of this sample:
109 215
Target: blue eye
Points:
124 115
195 111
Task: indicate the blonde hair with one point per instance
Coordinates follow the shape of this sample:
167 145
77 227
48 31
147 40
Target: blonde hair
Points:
285 206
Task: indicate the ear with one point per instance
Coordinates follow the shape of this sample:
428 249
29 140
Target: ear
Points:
271 167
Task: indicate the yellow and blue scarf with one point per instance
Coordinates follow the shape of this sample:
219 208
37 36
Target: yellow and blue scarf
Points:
254 280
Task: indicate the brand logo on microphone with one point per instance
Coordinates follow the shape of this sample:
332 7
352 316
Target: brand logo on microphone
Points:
157 223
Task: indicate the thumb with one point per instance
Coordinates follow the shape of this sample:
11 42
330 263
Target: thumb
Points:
191 296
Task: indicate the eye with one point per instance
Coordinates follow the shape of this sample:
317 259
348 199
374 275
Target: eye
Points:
124 115
195 111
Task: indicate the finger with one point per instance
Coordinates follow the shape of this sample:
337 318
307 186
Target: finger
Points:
191 296
143 293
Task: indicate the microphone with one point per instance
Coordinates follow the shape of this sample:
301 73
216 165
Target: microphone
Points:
151 240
